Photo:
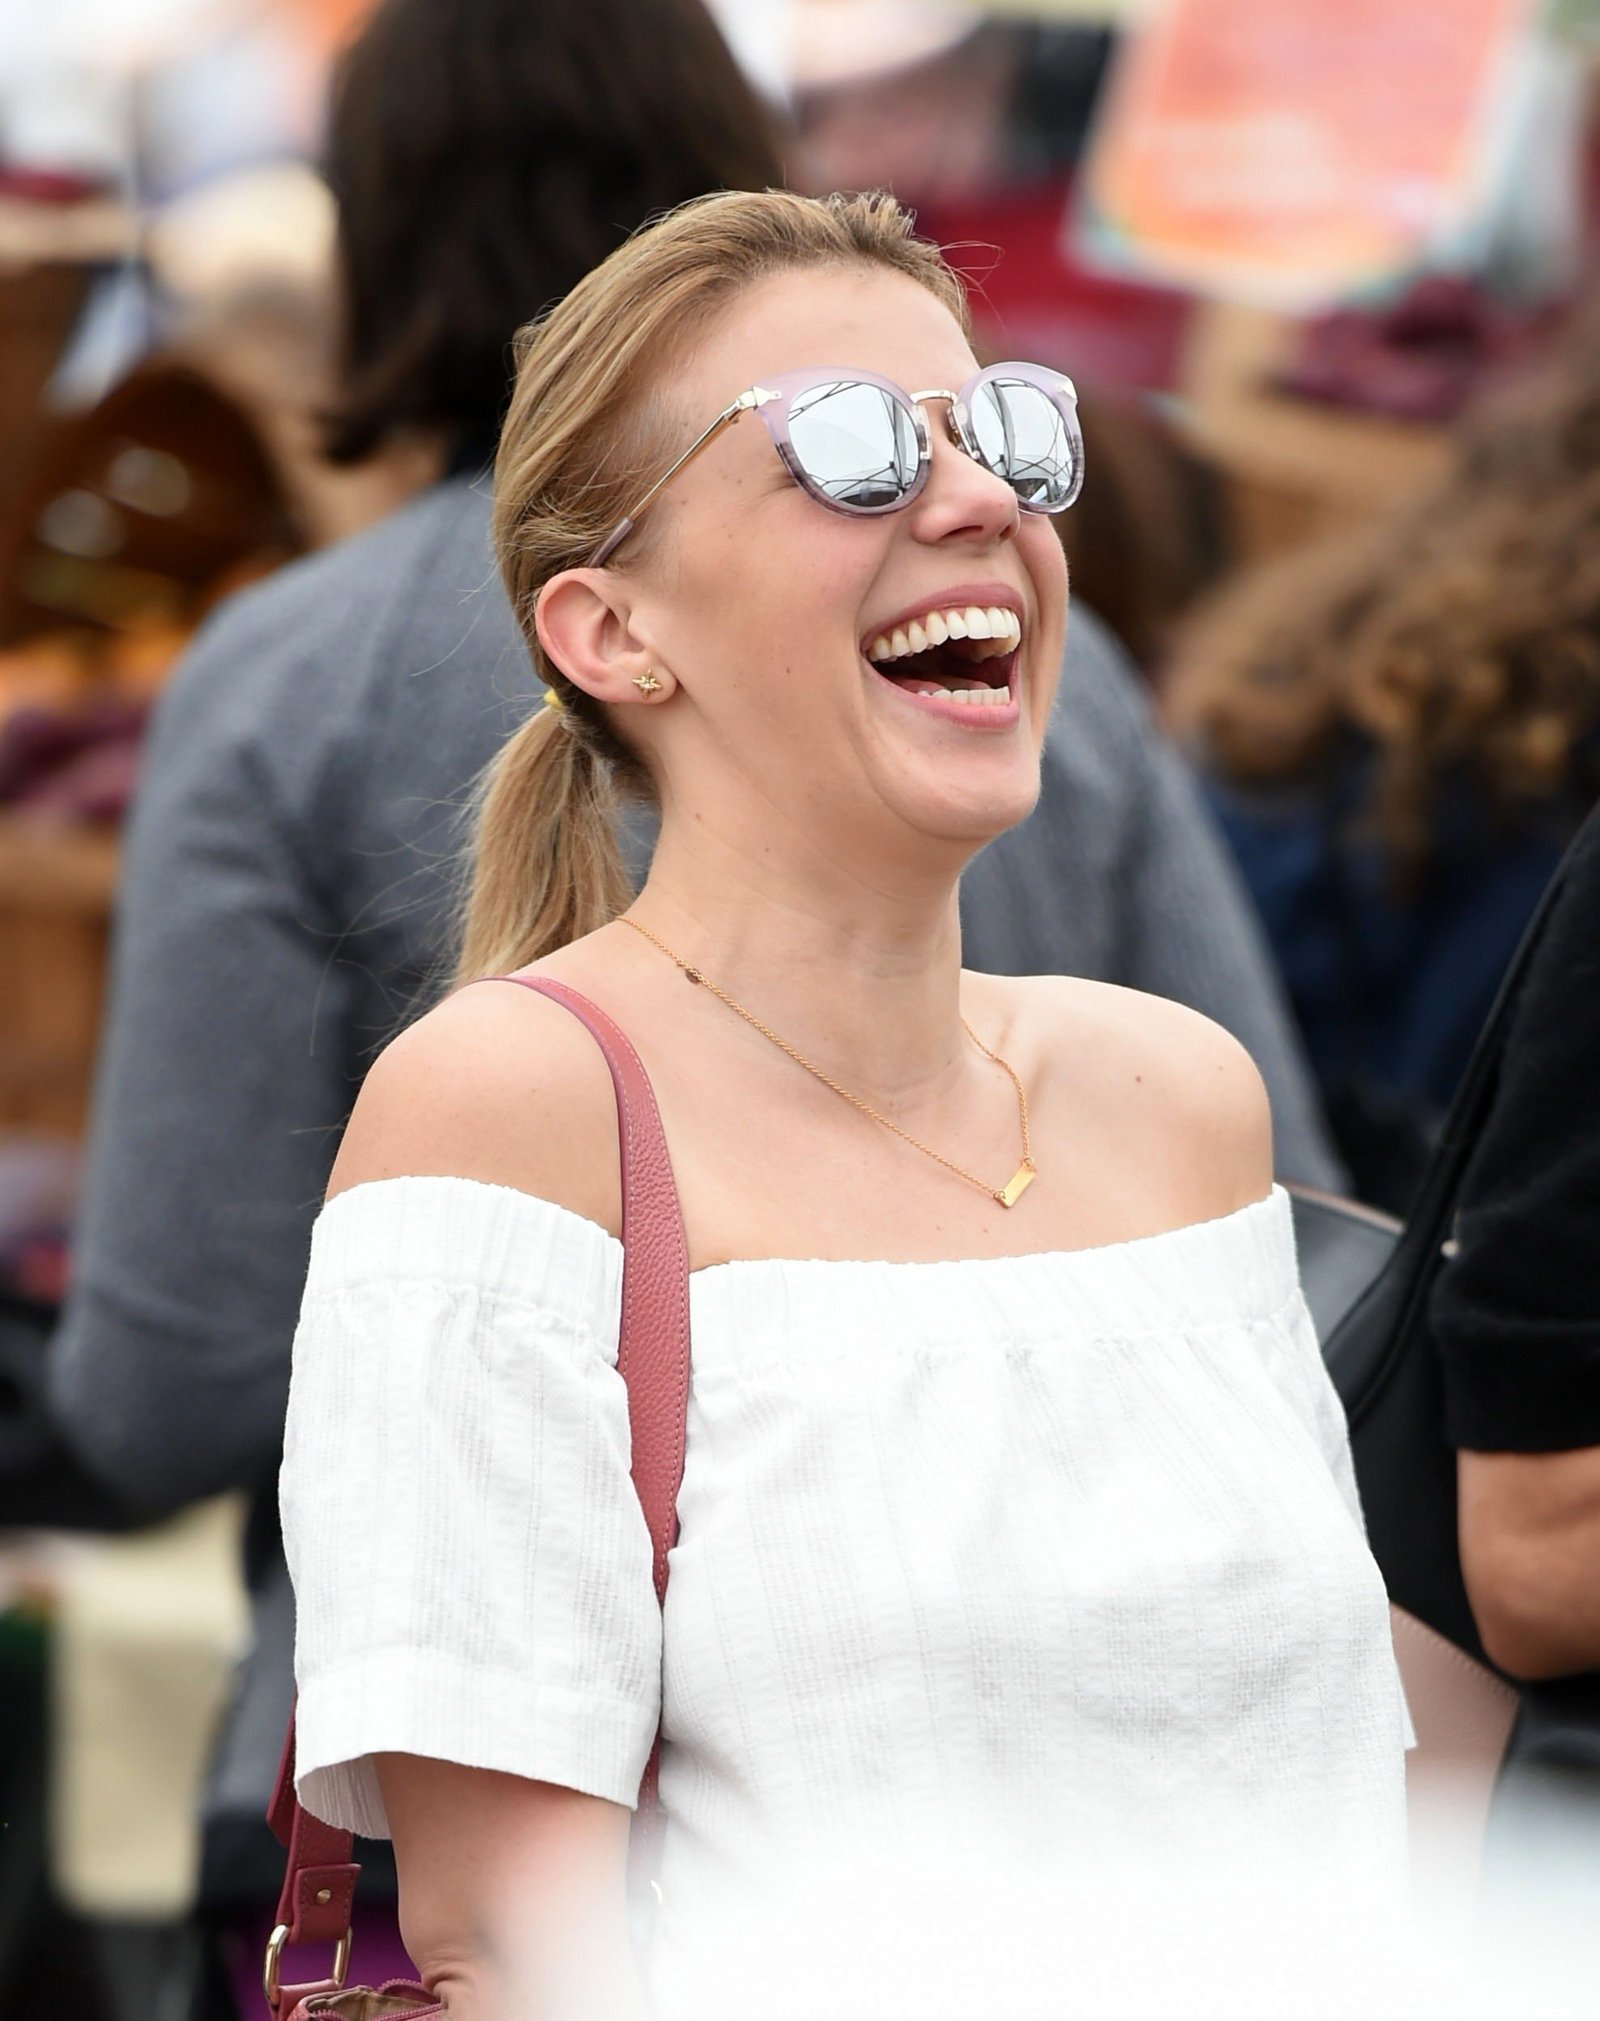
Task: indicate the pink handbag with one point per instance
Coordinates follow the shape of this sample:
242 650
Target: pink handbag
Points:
653 1359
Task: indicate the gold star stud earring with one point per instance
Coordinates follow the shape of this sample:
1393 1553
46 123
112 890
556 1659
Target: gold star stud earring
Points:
646 683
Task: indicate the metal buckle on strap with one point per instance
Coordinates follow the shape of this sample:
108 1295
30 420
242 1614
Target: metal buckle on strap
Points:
271 1975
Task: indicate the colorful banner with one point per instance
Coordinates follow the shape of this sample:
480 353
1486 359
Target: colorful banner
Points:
1295 151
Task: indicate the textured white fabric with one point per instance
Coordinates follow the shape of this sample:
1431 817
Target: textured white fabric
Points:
471 1566
1060 1552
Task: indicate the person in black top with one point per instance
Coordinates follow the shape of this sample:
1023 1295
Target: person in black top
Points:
1516 1312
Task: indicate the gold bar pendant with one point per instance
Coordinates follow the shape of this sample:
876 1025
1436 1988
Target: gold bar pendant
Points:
1019 1182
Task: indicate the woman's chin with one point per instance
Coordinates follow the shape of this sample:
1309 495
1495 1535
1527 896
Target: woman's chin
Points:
968 811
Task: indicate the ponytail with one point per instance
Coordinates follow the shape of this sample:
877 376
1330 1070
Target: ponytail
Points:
546 867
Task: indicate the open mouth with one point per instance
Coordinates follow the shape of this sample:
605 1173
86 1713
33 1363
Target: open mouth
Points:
966 656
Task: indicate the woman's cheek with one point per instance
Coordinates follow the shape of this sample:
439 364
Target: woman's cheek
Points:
1045 560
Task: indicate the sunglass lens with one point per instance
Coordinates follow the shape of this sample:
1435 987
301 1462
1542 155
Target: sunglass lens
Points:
855 442
1023 436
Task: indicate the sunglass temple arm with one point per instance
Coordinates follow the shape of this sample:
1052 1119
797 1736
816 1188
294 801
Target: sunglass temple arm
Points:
757 396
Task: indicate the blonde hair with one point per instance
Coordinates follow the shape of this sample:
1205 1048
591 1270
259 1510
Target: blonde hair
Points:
584 437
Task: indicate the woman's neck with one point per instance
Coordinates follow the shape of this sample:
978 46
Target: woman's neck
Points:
856 968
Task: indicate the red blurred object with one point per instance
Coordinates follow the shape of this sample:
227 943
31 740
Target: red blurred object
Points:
1425 358
49 185
96 785
1038 301
41 1269
74 764
38 1198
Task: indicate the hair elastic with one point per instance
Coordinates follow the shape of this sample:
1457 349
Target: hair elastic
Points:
552 700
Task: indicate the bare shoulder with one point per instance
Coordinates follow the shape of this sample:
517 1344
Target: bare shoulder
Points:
498 1084
1168 1081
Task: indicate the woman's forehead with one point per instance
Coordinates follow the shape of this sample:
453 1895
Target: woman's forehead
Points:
878 321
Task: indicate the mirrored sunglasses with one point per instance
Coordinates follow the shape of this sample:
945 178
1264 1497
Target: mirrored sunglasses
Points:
860 444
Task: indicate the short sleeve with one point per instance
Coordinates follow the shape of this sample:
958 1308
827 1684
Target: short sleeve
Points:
471 1565
1302 1378
1309 1387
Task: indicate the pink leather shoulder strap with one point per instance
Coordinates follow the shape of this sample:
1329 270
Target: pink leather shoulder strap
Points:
653 1359
653 1345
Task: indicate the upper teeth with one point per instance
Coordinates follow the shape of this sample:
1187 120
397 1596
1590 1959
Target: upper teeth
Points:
994 629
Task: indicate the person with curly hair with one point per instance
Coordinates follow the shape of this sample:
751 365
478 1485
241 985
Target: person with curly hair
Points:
1401 730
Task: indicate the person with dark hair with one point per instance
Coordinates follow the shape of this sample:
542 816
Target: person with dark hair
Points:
290 876
483 157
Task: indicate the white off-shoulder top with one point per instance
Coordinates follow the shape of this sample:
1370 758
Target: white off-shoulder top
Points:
1056 1553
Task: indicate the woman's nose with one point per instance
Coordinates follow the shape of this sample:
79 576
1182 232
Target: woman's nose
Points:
961 498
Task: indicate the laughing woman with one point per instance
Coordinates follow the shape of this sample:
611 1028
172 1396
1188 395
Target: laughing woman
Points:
1018 1531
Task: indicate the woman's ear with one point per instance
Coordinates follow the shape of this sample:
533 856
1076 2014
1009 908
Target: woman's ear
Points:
584 621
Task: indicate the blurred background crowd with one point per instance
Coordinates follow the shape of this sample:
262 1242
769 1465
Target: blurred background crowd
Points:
1325 273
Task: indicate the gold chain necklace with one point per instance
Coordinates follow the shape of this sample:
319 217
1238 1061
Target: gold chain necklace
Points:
1008 1195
